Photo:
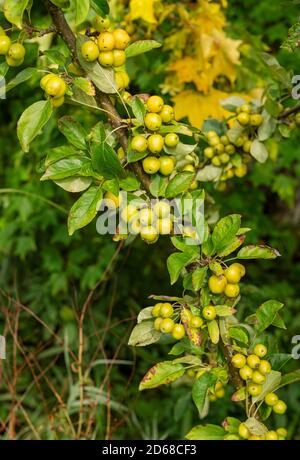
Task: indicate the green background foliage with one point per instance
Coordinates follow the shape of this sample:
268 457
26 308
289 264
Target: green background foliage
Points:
46 276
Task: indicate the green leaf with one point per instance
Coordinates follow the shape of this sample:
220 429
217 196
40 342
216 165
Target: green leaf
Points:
236 242
255 427
272 382
73 131
211 124
32 121
85 85
23 76
206 433
55 57
144 314
288 379
259 151
198 277
200 392
103 78
213 331
266 313
133 155
85 209
74 184
180 244
101 7
239 334
224 310
140 47
209 173
225 231
139 109
106 161
4 68
67 167
232 103
181 149
14 11
162 374
78 11
158 185
111 185
58 153
129 183
144 334
179 184
176 262
257 252
267 128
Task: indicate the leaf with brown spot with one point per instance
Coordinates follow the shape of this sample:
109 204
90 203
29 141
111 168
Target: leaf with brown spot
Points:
162 374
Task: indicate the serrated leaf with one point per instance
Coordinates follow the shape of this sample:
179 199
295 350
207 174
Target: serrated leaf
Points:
213 331
144 314
162 374
209 173
106 161
85 209
235 244
66 167
139 109
231 103
206 433
85 85
129 183
255 427
55 57
200 392
266 313
144 334
288 379
224 232
267 128
224 310
58 153
259 151
257 252
198 277
239 334
181 150
179 184
176 262
23 76
73 131
272 382
32 121
140 47
101 7
14 11
78 11
74 184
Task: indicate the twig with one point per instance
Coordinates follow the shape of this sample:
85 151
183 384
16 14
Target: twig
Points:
41 32
290 111
103 100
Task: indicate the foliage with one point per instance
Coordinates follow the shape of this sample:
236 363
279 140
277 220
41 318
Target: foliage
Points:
81 151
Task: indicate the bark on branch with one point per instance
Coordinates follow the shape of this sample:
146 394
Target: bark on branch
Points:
103 100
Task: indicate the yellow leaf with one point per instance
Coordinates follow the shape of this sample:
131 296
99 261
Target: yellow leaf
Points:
198 107
188 71
142 9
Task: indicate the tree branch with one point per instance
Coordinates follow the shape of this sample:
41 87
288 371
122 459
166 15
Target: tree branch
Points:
103 100
290 111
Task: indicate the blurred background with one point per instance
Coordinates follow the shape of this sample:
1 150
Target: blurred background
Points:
47 279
